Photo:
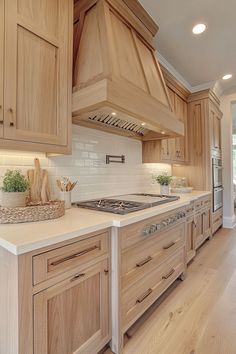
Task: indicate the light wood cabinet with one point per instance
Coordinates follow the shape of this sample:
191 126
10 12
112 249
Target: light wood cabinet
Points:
73 315
148 256
63 293
190 238
204 123
37 75
215 123
217 220
172 150
202 221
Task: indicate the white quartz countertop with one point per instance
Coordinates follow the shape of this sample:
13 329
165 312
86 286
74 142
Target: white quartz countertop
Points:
23 238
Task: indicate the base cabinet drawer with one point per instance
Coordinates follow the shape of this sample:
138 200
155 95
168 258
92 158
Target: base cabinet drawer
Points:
58 261
141 259
73 316
136 299
217 220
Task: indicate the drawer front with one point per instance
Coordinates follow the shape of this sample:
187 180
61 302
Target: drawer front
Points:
136 299
141 259
190 208
217 216
135 233
206 202
217 222
202 203
198 204
57 261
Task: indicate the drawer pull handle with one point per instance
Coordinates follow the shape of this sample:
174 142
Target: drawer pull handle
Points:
81 275
169 246
65 259
145 261
168 274
144 296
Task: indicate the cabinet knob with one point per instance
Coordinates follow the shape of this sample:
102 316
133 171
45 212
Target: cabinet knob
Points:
1 122
10 110
0 106
11 124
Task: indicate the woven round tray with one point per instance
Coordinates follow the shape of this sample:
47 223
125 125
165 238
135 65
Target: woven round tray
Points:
32 213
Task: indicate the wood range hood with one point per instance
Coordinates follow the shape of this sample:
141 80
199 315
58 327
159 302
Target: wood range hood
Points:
117 82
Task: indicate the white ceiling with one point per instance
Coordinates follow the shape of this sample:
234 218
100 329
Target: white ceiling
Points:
200 59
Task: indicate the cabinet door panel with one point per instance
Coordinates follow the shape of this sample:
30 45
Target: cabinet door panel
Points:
199 229
1 63
217 133
215 128
207 222
190 238
129 64
36 71
152 72
73 316
165 150
47 22
181 112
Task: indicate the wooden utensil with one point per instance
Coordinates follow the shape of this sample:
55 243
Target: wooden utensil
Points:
39 184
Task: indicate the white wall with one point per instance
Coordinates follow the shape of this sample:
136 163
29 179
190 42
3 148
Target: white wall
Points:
87 164
226 102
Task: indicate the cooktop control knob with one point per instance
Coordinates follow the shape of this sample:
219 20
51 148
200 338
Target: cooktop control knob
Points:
146 231
153 228
164 223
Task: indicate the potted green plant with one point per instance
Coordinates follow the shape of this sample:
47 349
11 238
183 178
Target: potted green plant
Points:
14 189
164 182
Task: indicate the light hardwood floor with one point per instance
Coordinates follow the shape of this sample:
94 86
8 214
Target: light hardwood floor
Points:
199 315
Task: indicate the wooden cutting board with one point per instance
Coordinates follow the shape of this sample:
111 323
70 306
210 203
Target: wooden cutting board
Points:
39 184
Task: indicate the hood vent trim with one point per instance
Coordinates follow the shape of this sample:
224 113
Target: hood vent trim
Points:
110 120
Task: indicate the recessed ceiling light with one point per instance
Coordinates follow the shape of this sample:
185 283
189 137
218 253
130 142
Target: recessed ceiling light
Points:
113 114
199 28
143 124
163 132
227 76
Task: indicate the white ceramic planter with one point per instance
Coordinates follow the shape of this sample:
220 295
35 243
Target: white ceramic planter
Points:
165 190
66 196
13 199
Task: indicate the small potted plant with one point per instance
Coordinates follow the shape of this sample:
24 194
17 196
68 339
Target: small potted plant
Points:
164 182
14 189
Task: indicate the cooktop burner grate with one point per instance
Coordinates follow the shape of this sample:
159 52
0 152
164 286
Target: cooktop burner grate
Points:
126 203
113 206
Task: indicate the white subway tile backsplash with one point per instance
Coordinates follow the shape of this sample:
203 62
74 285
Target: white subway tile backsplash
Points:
87 164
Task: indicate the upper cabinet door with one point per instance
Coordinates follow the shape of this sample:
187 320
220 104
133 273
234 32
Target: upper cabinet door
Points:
215 128
1 63
37 75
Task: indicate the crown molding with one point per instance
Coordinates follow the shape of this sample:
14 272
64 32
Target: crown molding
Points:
214 85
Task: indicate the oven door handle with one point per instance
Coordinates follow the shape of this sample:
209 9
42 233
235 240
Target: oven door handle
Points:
218 189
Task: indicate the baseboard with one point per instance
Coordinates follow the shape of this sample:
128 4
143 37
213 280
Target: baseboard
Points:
229 222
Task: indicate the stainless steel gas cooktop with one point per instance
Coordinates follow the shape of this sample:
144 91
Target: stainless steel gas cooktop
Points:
125 204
